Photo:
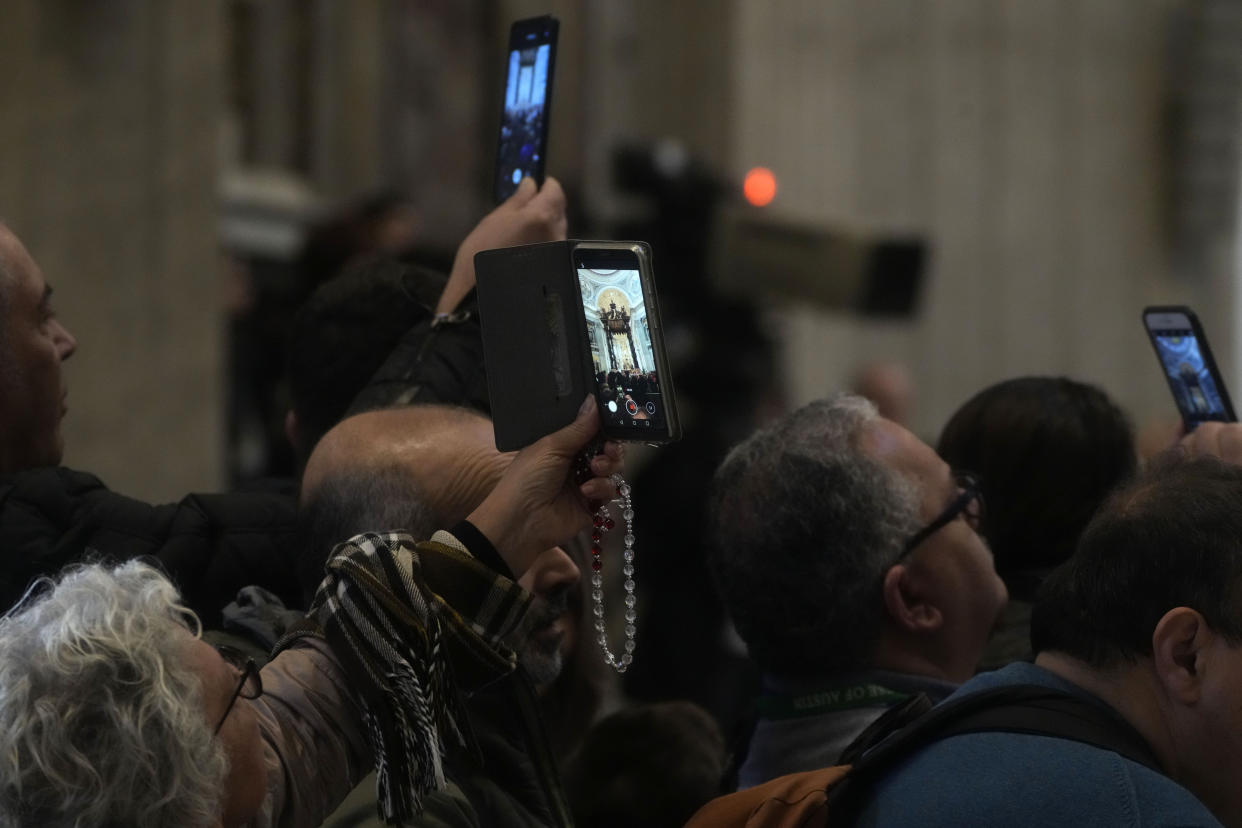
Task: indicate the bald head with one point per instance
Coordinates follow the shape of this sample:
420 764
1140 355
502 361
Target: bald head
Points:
449 453
888 386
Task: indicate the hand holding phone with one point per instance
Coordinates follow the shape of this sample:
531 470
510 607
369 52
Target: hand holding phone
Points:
527 217
527 104
1220 440
1184 354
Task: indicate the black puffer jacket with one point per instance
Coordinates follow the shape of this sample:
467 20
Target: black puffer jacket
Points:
210 545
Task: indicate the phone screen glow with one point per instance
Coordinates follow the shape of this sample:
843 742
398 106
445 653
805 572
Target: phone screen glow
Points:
1193 386
525 117
627 382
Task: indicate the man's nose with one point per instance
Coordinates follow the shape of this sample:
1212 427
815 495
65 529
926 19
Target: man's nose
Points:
554 569
65 342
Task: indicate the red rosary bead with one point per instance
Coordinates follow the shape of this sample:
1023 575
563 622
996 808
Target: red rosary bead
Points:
597 536
608 523
597 564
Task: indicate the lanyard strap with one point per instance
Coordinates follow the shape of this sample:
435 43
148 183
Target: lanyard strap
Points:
828 700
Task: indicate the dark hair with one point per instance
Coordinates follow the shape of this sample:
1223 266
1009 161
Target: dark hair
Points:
652 765
1172 539
1047 450
376 499
342 335
339 238
804 526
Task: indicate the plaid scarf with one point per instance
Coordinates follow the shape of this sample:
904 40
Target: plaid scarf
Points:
387 635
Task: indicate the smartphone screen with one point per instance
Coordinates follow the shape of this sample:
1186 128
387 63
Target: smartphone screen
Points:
1189 368
527 101
630 373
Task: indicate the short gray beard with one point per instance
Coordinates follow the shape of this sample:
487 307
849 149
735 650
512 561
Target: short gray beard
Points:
543 661
543 668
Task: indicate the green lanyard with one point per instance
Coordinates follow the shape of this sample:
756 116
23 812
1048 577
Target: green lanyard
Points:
828 700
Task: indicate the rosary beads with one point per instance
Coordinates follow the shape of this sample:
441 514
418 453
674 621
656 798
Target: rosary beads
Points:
603 523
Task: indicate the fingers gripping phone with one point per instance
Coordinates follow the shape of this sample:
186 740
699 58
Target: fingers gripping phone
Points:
1182 348
527 104
631 381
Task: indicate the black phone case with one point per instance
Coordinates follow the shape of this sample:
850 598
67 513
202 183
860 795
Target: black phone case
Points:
1205 349
538 370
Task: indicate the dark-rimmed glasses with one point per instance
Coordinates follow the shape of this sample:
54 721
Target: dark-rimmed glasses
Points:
250 686
969 496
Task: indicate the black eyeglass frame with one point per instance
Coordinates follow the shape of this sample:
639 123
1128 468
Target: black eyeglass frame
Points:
971 492
250 670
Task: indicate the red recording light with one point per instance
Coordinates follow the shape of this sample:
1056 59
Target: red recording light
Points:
759 186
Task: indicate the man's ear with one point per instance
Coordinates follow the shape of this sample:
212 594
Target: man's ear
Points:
1179 647
909 602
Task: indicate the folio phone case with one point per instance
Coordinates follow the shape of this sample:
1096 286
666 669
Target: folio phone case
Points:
538 367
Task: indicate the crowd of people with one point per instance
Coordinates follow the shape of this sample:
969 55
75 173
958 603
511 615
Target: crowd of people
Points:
400 636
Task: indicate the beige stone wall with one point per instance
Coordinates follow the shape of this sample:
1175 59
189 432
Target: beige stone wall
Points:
1022 139
108 119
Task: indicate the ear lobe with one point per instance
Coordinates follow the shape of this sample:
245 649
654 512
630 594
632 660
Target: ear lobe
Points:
1179 650
907 604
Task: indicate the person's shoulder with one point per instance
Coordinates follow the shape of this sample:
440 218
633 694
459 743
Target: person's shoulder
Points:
998 778
53 492
1016 674
1161 801
50 477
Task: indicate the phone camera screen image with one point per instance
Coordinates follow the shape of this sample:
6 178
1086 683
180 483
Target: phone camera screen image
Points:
627 381
524 122
1191 379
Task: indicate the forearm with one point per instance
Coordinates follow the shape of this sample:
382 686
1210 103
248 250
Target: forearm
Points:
390 610
314 745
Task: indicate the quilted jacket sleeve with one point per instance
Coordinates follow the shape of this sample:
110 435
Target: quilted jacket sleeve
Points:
210 545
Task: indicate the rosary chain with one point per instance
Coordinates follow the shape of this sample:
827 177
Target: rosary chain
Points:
603 523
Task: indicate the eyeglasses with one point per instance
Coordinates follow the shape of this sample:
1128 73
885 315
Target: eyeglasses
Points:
251 684
969 502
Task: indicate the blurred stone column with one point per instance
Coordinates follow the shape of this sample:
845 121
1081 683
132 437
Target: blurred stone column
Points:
275 84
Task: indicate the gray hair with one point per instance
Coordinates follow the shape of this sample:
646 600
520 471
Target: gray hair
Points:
385 498
101 716
805 525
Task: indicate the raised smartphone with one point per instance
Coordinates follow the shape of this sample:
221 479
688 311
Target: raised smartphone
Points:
1182 348
561 320
527 104
631 378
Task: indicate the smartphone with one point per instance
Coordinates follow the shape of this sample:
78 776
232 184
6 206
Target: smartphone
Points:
631 378
1194 379
527 104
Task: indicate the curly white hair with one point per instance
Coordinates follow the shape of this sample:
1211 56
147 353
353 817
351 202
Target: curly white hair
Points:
101 717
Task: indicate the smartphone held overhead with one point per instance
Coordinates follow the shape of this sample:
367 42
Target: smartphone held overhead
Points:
1186 359
526 104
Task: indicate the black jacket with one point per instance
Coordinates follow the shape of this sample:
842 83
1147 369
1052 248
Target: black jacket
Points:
210 545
